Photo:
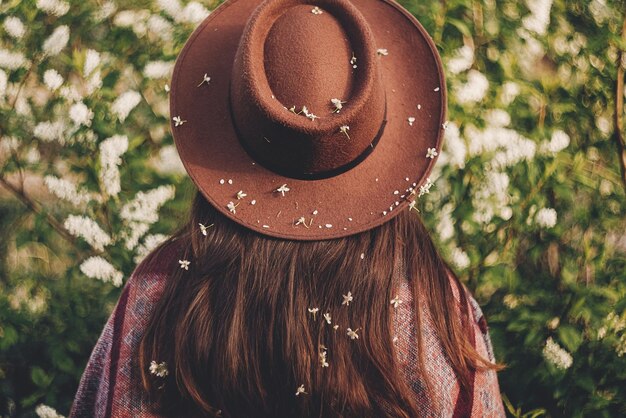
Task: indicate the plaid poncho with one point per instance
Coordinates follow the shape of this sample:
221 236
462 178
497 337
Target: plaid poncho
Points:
111 382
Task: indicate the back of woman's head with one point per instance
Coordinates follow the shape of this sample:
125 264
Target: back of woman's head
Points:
258 326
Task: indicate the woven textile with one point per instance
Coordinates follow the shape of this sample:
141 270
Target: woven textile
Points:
111 382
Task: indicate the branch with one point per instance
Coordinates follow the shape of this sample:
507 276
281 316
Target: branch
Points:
619 110
37 209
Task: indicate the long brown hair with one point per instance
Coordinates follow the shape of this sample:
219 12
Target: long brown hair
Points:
237 335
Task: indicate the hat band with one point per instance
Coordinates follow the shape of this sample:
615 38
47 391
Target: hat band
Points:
320 174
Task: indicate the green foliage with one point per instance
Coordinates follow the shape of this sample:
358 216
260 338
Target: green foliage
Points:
528 202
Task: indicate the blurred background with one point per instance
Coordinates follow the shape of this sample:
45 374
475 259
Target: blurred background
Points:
528 204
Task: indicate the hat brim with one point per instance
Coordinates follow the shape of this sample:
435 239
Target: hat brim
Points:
348 203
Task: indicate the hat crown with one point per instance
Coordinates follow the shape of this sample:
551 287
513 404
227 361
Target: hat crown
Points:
314 48
295 60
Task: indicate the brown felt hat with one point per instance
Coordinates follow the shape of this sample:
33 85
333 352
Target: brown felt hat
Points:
309 120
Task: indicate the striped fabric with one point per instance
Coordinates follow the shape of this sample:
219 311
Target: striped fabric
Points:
111 383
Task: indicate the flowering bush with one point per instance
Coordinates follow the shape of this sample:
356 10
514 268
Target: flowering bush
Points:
528 198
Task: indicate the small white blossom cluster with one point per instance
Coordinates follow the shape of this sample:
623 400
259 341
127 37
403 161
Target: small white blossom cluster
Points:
150 242
53 7
454 149
56 41
80 114
44 411
460 258
91 72
192 13
539 18
158 369
12 60
50 131
111 150
461 60
158 69
614 325
98 268
66 190
144 207
558 142
52 79
169 162
87 229
546 217
491 198
474 90
125 103
14 27
556 355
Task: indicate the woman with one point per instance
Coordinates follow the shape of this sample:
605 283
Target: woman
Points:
303 283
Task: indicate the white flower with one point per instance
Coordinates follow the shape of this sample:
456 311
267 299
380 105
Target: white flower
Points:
232 207
553 353
241 194
300 390
546 217
125 103
50 131
98 268
111 150
205 79
203 229
158 69
184 264
44 411
12 60
89 230
64 189
145 205
347 299
460 258
327 318
80 114
150 242
474 90
160 369
411 120
14 27
193 13
313 311
352 334
323 353
92 61
308 114
338 104
282 189
462 59
425 188
178 121
316 11
344 130
396 301
431 153
382 52
56 41
52 79
353 61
